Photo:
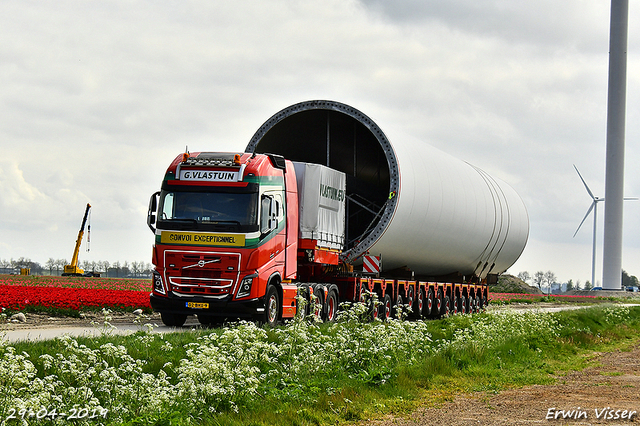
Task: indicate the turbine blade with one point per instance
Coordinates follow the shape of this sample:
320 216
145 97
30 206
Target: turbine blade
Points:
585 217
631 198
585 183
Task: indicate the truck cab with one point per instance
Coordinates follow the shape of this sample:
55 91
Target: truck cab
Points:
226 229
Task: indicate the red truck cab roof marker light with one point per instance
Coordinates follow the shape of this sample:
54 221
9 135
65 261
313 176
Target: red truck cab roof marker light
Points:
202 161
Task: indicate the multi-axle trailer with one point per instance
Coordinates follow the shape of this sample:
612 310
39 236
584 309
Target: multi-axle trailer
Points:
320 203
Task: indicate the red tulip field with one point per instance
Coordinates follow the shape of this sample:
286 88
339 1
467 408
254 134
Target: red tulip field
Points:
74 293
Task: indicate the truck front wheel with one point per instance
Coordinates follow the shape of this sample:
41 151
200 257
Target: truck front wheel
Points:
173 320
272 306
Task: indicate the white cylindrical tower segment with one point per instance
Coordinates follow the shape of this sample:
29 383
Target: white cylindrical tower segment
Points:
418 207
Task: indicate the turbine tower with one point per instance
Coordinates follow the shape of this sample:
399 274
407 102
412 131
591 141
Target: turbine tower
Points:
614 180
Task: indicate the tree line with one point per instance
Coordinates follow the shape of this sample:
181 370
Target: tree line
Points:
56 267
549 279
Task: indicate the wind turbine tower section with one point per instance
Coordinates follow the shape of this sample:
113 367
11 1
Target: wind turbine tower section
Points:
614 181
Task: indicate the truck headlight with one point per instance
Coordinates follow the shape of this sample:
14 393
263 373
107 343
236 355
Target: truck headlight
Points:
157 283
244 289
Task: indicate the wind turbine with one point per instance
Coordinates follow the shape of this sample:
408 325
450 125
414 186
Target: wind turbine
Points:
594 207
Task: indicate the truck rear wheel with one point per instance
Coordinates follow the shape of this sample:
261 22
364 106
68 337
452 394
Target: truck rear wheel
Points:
272 306
317 303
331 307
173 320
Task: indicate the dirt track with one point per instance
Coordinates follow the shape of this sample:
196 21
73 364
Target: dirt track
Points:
613 381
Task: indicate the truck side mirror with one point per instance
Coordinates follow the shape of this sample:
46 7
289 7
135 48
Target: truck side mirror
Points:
151 214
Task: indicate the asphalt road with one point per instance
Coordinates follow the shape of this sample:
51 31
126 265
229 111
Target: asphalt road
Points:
35 334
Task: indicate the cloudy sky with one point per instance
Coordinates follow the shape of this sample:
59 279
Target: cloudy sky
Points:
97 97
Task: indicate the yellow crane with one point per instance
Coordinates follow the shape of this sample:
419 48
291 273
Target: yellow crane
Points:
73 269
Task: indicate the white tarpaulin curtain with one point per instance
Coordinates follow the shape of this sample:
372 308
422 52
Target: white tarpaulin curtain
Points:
321 196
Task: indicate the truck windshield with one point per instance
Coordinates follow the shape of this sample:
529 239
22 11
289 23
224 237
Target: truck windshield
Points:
208 211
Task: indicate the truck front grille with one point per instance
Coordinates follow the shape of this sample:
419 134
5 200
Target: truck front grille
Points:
202 273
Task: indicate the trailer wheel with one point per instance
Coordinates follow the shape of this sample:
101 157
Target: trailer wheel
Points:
399 306
418 305
331 307
410 299
385 308
428 309
272 306
463 304
373 311
446 306
173 320
440 306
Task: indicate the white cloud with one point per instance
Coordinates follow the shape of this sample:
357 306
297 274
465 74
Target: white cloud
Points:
15 191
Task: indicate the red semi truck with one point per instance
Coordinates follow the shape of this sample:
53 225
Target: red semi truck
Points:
241 235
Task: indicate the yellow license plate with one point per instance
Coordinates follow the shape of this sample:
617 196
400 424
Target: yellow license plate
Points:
195 305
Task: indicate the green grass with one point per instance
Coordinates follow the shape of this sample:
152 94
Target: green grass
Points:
303 373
